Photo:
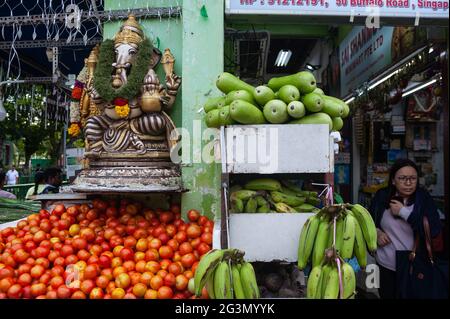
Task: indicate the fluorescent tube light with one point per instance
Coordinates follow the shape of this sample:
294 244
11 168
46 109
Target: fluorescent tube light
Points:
283 58
350 100
419 87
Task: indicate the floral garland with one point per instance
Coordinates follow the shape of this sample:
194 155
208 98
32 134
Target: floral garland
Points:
75 116
102 75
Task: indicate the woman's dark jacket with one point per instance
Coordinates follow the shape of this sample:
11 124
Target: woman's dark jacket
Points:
423 206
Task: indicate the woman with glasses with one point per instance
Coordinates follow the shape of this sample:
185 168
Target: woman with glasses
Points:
398 212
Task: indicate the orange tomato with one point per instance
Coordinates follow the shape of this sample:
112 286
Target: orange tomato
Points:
156 282
193 215
165 292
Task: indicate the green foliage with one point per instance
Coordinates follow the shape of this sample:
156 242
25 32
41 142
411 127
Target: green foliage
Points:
27 128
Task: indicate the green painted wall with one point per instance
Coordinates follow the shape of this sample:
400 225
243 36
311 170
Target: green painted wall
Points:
197 44
202 62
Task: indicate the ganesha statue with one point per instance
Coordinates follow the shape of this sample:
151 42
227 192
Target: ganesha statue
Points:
123 113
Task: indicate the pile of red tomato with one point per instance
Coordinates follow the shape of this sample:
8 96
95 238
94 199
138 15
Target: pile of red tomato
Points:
107 249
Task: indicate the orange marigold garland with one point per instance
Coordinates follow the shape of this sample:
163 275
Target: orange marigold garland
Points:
121 107
74 129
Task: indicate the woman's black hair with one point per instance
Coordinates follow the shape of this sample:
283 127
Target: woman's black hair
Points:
399 164
39 178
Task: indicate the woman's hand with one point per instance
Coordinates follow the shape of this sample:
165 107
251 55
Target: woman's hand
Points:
395 207
382 238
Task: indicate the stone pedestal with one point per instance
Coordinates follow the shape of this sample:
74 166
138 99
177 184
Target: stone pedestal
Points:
142 177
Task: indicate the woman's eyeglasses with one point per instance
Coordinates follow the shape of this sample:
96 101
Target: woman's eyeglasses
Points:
409 179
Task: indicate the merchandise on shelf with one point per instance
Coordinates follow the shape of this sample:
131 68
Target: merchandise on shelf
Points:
328 240
265 195
104 249
293 99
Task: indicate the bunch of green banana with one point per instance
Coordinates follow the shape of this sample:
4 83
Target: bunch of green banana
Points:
367 225
348 232
324 282
265 195
226 275
249 201
235 281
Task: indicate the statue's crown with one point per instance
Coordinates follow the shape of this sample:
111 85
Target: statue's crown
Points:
130 32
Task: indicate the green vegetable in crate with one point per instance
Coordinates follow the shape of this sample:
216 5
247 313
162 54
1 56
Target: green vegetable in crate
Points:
227 82
338 123
319 91
239 95
246 113
243 194
296 109
260 200
213 103
304 81
305 208
264 209
212 118
315 118
263 94
313 200
288 93
251 205
279 197
284 208
335 100
275 111
313 102
263 184
225 116
291 186
288 191
237 205
346 110
332 108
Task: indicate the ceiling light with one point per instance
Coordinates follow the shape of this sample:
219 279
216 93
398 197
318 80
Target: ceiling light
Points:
431 50
311 67
419 87
350 100
283 58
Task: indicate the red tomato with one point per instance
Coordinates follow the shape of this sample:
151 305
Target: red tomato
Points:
180 237
202 220
203 248
193 215
181 282
206 238
165 292
166 217
193 231
59 210
188 260
166 252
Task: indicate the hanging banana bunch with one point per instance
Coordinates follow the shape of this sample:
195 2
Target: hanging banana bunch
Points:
335 234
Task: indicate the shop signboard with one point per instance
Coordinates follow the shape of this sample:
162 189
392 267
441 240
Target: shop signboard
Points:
363 53
436 9
74 160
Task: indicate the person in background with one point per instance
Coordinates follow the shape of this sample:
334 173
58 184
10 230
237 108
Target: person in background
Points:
12 176
398 212
38 169
52 180
4 194
39 185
